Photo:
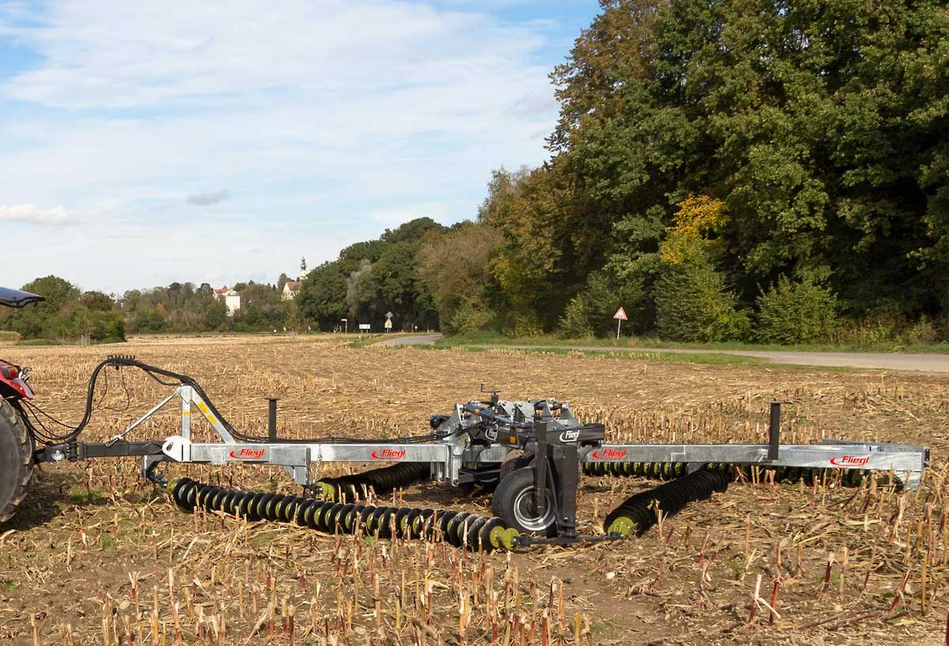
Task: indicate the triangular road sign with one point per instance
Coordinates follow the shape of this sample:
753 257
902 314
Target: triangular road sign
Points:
621 315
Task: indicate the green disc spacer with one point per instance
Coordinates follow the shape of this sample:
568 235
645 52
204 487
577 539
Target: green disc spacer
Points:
509 538
622 526
329 491
495 537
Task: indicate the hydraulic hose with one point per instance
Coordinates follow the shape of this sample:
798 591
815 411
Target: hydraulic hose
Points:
160 375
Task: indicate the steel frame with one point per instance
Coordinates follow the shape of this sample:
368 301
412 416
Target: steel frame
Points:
506 426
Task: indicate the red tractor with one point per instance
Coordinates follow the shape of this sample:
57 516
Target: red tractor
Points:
16 443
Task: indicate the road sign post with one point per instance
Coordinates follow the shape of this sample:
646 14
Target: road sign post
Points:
620 316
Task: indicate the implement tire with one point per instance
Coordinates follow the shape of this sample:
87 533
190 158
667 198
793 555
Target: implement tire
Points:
16 460
513 500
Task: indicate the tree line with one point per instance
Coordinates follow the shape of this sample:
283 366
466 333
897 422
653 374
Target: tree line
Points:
740 170
68 313
748 170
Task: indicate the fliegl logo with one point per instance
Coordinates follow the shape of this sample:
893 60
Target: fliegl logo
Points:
609 454
388 454
247 454
570 436
850 461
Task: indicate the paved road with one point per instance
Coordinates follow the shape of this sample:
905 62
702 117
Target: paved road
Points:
869 361
425 339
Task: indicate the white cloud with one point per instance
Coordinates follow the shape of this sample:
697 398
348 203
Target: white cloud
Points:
325 118
34 213
105 54
209 199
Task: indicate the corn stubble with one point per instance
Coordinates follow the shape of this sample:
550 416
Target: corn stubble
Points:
98 556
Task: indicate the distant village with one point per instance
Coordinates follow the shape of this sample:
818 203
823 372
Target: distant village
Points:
232 298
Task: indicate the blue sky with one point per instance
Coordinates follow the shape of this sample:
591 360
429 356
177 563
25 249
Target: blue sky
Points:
147 142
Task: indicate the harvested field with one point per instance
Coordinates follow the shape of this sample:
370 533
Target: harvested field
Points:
98 556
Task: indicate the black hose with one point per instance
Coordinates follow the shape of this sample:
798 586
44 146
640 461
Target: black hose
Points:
156 373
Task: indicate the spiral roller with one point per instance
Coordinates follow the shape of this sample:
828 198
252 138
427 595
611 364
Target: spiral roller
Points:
382 481
638 513
652 470
461 529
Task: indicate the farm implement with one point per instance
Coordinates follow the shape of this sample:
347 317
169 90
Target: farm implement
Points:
531 453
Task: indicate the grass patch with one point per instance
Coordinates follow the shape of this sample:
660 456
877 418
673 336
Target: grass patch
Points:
664 357
494 338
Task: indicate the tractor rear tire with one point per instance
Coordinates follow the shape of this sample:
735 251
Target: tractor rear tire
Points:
16 460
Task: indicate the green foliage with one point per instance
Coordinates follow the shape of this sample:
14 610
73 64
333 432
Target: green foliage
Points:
590 313
818 127
693 304
262 309
456 270
526 325
795 312
705 152
576 322
370 279
469 317
65 315
322 297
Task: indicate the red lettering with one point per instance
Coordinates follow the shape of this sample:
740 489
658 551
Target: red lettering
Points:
388 454
247 454
609 454
850 461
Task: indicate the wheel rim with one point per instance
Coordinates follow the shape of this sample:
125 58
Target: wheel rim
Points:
526 518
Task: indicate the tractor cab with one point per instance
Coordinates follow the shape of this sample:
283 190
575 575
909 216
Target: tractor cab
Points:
18 298
13 379
17 446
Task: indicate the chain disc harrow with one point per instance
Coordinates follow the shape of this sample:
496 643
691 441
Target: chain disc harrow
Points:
639 512
355 487
458 528
673 470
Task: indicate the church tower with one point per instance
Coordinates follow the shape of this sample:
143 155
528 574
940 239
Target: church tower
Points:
303 271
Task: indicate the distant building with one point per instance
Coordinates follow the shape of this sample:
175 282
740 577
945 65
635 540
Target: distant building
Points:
292 287
231 299
290 290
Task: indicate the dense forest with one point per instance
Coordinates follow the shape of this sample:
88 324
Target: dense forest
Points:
750 170
741 170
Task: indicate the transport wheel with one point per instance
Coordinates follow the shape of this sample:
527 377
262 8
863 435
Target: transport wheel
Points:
16 460
515 460
514 502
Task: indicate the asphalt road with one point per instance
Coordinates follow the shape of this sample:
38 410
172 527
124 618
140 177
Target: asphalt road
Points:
425 339
869 361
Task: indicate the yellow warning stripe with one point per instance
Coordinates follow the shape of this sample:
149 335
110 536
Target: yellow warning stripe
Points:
207 412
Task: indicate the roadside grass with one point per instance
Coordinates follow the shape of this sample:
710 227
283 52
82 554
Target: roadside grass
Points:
495 338
364 341
664 357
